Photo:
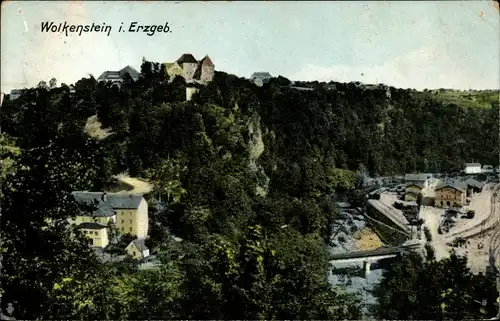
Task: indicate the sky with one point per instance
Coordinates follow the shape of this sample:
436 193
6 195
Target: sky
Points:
418 44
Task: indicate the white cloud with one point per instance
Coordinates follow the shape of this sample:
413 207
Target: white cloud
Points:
428 67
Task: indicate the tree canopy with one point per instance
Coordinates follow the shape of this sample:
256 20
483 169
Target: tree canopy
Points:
247 176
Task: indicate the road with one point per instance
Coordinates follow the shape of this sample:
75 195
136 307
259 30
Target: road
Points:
140 186
432 218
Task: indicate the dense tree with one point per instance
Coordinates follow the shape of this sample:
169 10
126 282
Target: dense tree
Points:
414 288
245 253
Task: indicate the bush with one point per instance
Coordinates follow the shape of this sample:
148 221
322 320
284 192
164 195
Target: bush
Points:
428 235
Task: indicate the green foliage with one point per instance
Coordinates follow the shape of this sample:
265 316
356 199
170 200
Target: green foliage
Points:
428 235
243 255
434 290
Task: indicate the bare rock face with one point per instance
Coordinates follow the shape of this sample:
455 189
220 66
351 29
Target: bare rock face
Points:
94 129
256 148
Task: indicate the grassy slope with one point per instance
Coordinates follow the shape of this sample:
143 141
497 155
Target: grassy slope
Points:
470 99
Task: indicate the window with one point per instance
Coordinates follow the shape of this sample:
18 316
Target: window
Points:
130 221
123 229
85 232
130 229
123 221
96 232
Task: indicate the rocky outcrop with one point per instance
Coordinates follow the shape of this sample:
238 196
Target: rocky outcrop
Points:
256 148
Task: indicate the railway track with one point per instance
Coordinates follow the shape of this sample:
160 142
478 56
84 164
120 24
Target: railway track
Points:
483 226
494 244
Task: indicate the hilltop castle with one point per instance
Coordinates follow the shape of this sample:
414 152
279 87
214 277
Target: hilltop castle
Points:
193 71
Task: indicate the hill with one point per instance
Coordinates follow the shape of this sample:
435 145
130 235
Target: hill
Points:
249 178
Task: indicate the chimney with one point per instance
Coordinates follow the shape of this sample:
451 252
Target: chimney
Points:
104 197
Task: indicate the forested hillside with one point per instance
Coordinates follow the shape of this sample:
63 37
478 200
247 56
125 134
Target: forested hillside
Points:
249 178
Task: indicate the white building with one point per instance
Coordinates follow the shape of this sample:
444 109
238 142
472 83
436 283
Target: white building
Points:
472 168
119 76
422 179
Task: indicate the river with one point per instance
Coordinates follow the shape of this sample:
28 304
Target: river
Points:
350 234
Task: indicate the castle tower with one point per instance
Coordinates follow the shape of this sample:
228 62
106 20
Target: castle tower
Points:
189 65
207 70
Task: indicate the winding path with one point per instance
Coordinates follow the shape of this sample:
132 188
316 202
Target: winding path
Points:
139 186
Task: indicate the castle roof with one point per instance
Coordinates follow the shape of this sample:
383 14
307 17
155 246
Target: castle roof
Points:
206 61
187 58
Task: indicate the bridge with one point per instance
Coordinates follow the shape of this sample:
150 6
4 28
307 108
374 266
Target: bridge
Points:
368 257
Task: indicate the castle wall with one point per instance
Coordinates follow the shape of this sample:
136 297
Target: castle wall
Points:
190 91
188 70
207 73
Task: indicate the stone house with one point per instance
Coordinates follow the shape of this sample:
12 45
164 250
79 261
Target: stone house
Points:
96 232
412 191
473 186
451 194
129 212
137 249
